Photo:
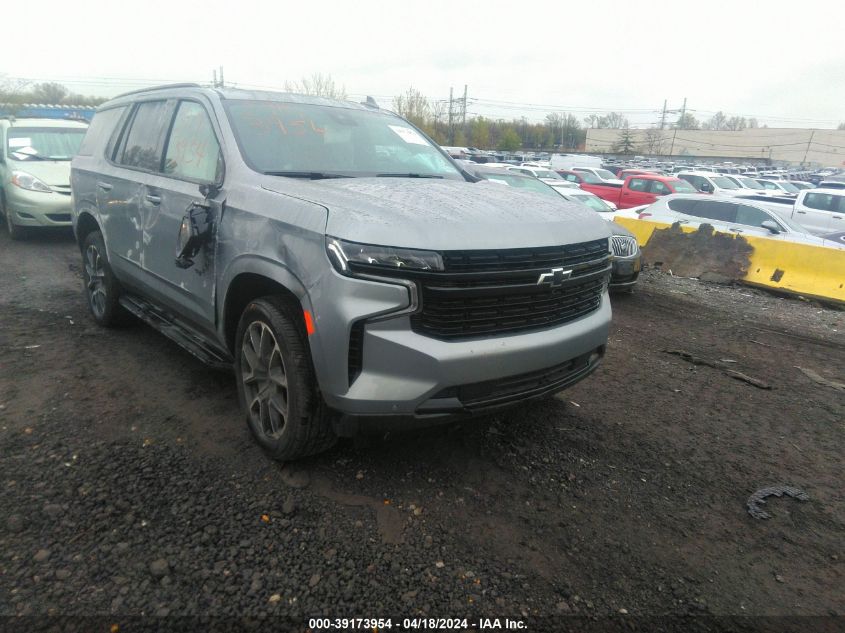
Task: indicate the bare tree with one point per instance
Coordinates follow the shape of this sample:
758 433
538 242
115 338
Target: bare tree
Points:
718 121
612 120
736 123
414 106
655 141
317 85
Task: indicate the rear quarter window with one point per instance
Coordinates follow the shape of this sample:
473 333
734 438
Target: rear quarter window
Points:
100 131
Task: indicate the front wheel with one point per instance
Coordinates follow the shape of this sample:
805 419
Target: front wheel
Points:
276 383
15 232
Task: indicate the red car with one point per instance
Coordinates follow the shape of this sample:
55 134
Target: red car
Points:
592 183
637 190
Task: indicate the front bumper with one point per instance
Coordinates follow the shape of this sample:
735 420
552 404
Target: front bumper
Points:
36 208
626 271
406 376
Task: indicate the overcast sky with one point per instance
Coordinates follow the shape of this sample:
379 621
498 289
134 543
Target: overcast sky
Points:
783 63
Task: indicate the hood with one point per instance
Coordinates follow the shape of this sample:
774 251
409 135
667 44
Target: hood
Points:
55 173
444 214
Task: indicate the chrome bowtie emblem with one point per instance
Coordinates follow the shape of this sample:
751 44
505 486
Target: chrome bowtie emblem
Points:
555 277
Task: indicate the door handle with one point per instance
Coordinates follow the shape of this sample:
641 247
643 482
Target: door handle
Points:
802 212
837 217
105 186
153 199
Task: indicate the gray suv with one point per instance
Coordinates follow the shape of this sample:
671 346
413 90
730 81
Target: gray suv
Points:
335 257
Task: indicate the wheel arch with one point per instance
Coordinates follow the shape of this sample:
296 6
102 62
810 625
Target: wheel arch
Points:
85 224
249 279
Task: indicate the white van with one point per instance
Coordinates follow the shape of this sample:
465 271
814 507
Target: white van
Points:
570 161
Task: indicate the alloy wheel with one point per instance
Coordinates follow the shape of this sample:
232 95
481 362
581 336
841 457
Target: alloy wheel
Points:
95 280
264 380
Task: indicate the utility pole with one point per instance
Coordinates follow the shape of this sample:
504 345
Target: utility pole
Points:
807 151
663 116
464 112
451 111
214 79
675 133
222 84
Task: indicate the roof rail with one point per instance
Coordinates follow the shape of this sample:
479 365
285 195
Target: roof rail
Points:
162 87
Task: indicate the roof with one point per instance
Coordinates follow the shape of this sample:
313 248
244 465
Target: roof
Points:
236 93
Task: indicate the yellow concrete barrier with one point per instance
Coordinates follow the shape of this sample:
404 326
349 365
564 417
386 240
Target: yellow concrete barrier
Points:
803 269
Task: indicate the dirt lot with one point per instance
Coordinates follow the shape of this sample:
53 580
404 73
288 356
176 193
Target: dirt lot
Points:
130 484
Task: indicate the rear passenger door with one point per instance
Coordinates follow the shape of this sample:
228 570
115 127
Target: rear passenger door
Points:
815 211
134 159
192 157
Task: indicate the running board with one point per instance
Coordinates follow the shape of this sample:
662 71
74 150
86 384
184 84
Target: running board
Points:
176 332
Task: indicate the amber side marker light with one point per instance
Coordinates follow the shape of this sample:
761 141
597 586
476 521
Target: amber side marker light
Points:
309 322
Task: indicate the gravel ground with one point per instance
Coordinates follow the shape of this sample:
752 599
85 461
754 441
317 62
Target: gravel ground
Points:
130 484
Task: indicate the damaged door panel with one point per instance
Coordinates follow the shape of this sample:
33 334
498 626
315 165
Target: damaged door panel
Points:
192 173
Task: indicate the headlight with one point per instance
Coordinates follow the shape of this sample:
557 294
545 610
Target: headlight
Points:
349 257
28 181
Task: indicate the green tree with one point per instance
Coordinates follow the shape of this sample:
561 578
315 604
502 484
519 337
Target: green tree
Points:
479 133
509 141
687 122
841 126
625 144
718 121
51 93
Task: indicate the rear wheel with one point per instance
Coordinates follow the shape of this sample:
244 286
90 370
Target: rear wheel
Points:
276 382
102 290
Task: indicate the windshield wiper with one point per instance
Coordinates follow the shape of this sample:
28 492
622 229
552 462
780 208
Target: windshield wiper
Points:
312 175
32 156
408 176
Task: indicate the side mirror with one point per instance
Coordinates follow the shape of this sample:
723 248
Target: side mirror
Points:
706 187
194 232
771 226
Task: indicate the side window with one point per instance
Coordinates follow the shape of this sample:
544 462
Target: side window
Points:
719 211
192 148
750 216
100 130
659 188
821 201
571 177
142 148
684 205
637 184
841 206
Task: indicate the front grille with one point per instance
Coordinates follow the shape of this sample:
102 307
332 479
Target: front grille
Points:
623 245
492 392
490 292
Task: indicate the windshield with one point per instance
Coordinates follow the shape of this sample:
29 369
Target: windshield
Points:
724 183
589 177
519 182
682 186
547 173
43 143
594 202
788 186
305 139
605 174
749 183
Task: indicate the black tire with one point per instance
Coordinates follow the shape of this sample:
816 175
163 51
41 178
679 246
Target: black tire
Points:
274 372
15 232
102 289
